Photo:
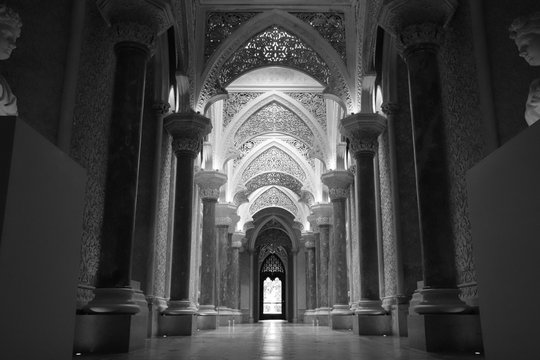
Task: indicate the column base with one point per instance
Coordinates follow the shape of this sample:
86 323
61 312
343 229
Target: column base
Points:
399 313
369 307
207 321
440 301
180 307
109 333
322 316
445 332
341 318
113 300
310 317
156 305
178 325
372 324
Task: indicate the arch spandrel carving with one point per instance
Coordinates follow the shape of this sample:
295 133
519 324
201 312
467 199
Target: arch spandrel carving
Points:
273 197
339 82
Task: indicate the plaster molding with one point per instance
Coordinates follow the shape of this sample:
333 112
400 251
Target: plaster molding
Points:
209 182
188 131
338 182
363 130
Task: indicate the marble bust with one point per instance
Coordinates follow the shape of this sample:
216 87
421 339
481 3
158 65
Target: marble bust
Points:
10 30
525 31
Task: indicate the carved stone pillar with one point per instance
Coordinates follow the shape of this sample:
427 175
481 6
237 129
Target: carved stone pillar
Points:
363 130
134 42
338 183
323 218
418 28
311 295
236 246
226 219
187 131
209 183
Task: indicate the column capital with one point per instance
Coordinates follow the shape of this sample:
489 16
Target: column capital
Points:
240 197
396 15
338 182
238 240
226 215
187 130
390 109
209 182
322 214
363 130
308 239
248 226
157 15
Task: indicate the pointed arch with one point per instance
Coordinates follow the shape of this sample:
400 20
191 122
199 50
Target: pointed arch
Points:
210 86
285 228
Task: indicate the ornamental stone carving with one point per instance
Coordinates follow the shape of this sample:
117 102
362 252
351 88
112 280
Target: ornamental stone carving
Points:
419 34
234 103
154 14
273 197
226 215
209 182
188 131
134 32
338 182
396 15
322 214
363 130
11 24
274 159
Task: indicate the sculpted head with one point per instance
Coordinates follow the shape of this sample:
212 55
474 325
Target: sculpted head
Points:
10 30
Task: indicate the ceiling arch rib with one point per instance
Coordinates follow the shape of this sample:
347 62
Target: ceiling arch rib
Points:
274 178
339 82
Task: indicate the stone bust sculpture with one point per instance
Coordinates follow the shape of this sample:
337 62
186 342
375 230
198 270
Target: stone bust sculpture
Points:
525 31
10 30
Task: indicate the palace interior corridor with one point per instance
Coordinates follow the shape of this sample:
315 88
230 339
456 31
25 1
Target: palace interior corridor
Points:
339 179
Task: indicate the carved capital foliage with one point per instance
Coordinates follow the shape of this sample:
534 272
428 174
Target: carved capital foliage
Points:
134 32
209 183
310 245
154 14
322 214
323 220
363 130
396 15
419 34
390 109
338 182
188 131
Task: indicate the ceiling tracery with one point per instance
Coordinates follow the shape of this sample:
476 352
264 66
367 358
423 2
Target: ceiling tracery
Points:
235 102
273 197
273 159
274 178
273 118
275 46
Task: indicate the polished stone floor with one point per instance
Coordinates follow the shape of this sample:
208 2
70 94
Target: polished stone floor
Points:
274 340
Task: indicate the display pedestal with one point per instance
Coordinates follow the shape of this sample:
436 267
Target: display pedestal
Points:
41 210
504 207
445 332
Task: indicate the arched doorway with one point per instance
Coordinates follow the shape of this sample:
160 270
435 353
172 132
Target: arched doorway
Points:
272 289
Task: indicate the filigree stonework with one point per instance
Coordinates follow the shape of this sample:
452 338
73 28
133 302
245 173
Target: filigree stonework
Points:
273 197
187 145
338 193
419 34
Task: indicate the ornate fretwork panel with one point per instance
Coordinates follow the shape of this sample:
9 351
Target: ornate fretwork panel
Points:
330 25
219 25
235 102
274 178
273 118
272 224
273 249
273 197
274 159
272 264
274 46
314 102
302 148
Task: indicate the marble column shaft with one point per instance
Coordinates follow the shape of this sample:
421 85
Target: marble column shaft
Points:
419 34
188 131
209 183
311 294
223 265
324 259
235 275
338 182
363 130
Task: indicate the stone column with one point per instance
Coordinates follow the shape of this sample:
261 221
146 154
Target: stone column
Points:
234 286
226 219
363 130
209 183
311 294
338 182
134 42
418 28
187 130
323 218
